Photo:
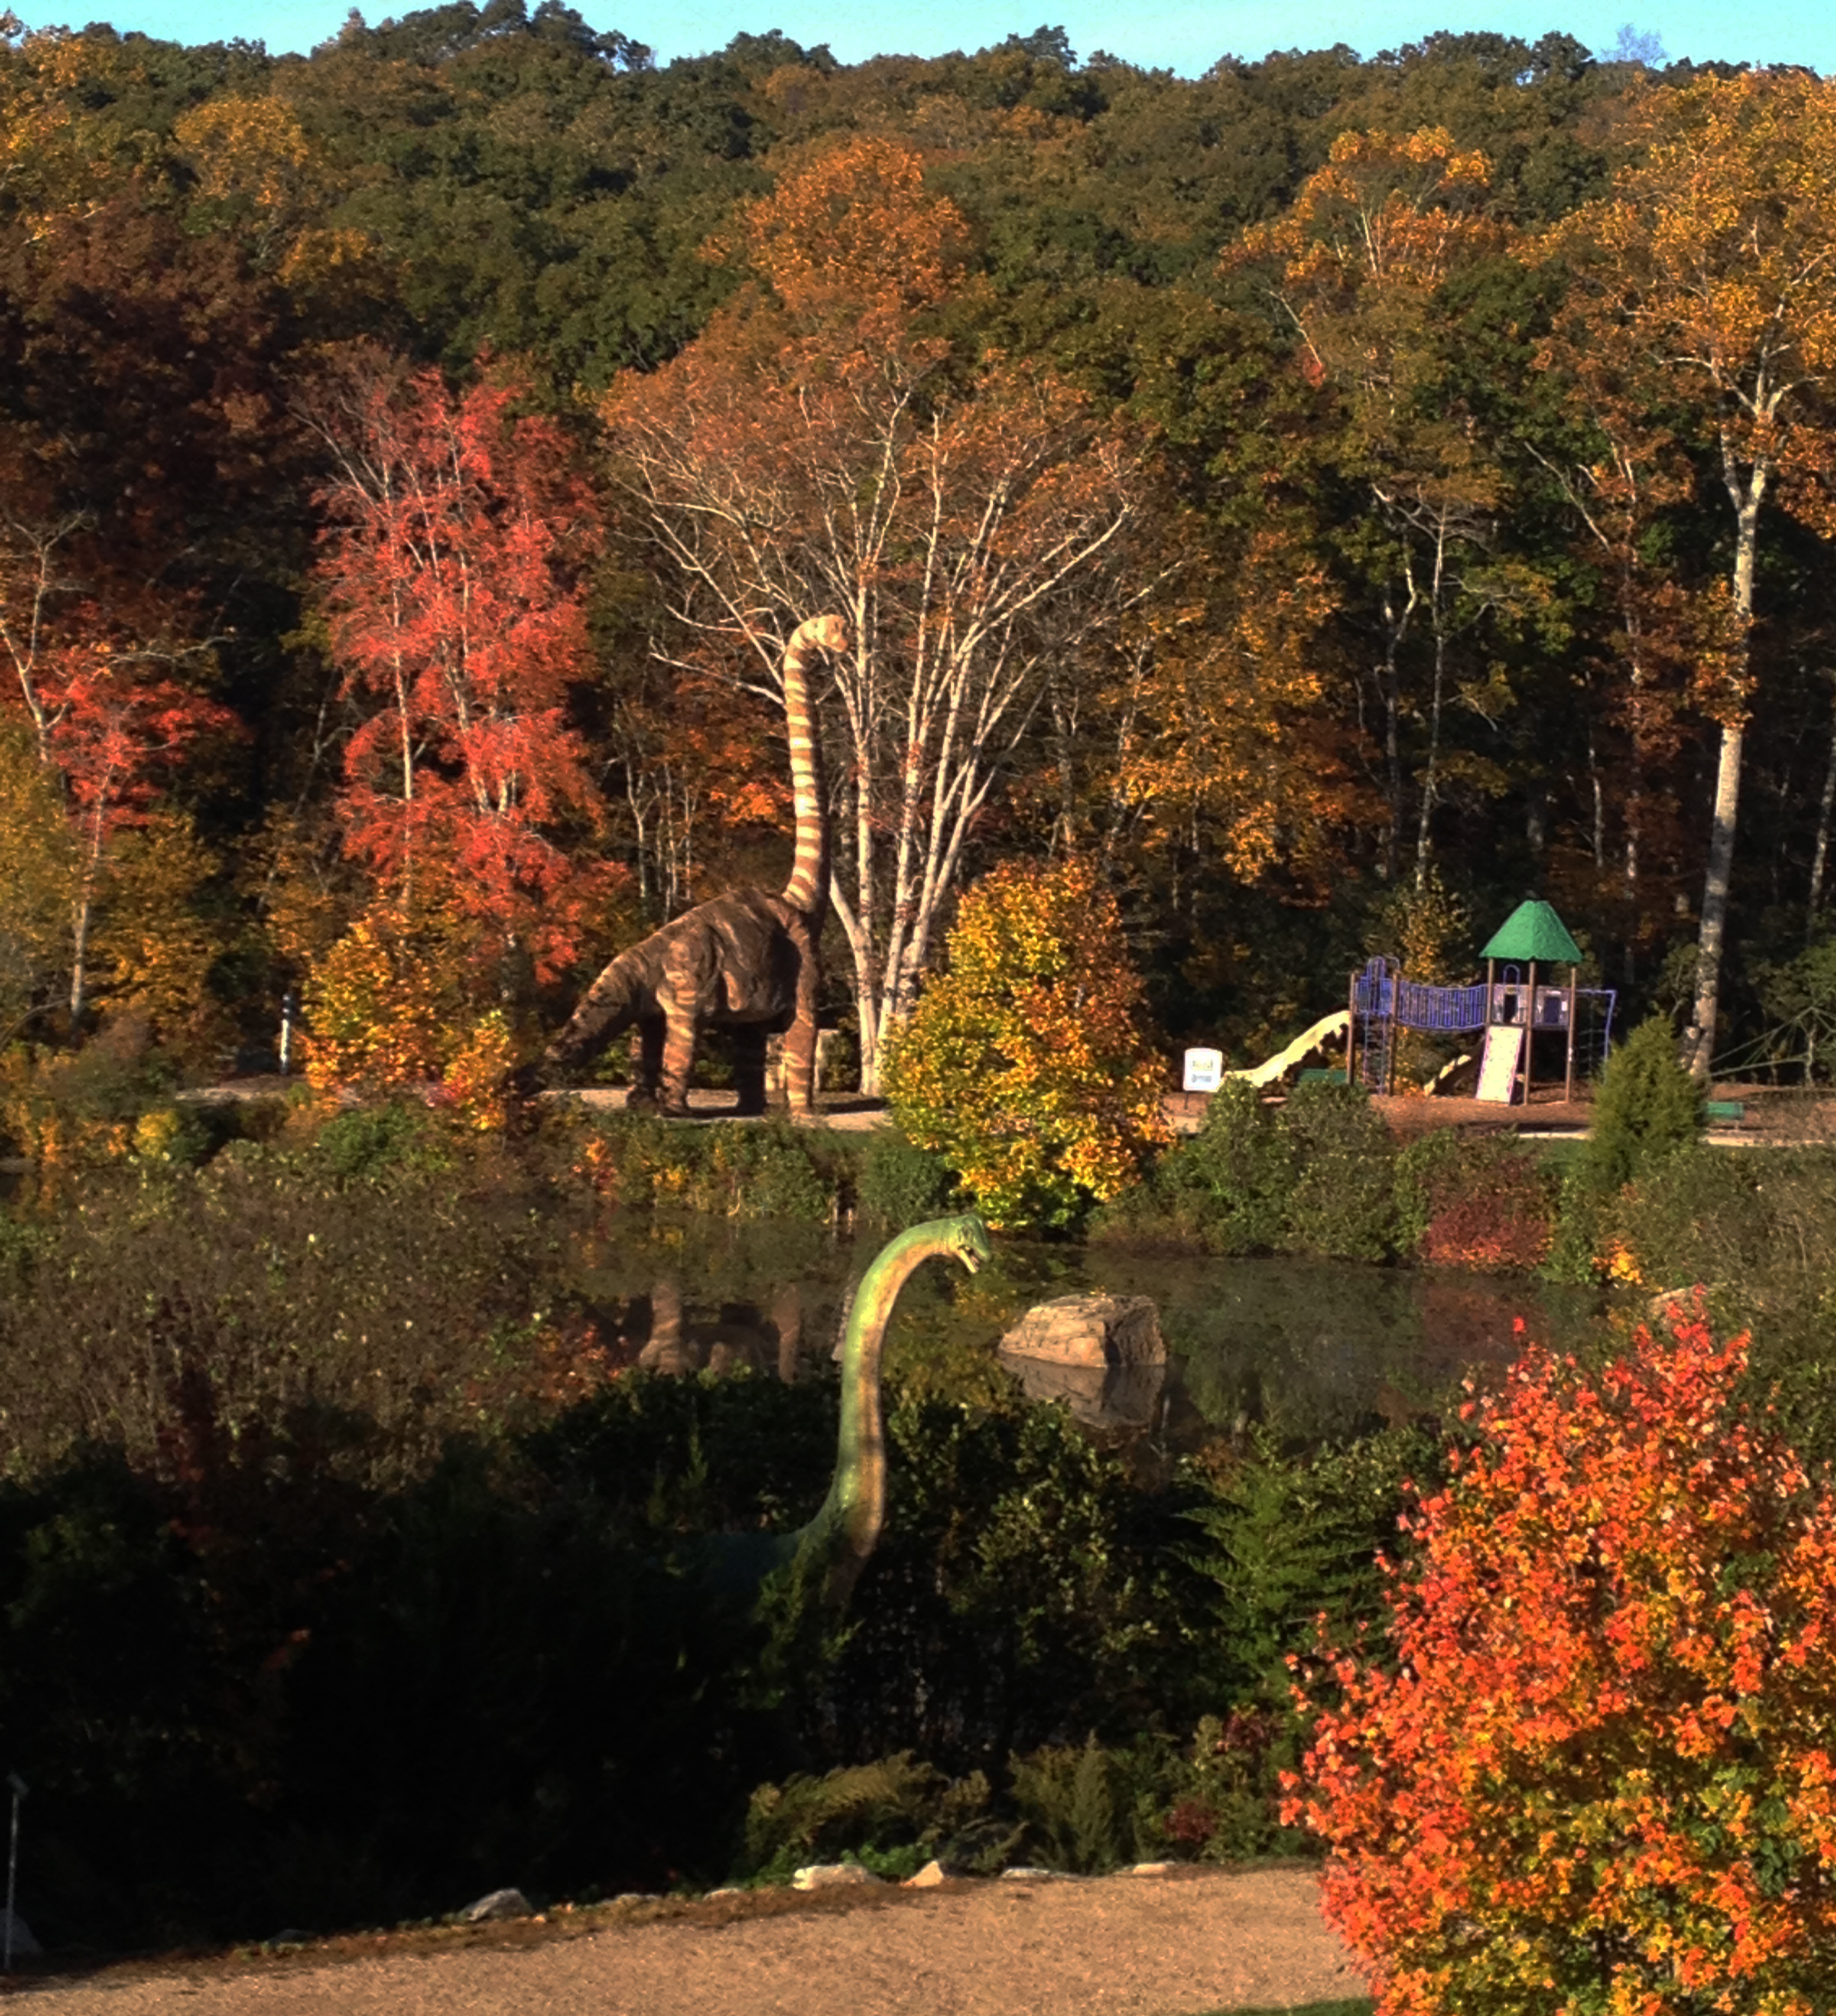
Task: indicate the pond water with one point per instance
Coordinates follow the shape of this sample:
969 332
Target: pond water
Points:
1311 1346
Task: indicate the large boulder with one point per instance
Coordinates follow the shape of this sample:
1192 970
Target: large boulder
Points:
1097 1331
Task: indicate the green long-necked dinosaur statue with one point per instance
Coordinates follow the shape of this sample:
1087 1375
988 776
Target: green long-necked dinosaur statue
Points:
837 1541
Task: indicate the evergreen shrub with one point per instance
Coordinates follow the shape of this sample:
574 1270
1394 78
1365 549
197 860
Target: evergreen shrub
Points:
1231 1183
1648 1106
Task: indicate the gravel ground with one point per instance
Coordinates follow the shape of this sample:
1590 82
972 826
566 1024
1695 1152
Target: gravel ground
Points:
1173 1945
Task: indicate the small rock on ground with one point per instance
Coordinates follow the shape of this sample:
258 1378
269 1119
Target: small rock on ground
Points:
831 1875
928 1878
498 1904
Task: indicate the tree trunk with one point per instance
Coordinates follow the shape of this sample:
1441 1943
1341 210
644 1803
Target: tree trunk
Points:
1710 943
1820 851
81 912
1715 899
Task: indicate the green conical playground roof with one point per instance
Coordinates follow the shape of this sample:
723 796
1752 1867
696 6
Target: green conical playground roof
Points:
1533 930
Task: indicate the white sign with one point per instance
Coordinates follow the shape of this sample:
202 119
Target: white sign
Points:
1204 1069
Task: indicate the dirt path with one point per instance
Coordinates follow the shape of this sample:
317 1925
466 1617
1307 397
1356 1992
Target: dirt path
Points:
1124 1946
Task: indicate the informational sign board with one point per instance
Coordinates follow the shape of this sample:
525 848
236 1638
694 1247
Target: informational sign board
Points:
1204 1069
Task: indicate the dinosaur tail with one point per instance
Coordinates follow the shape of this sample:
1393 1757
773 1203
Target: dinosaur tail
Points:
808 890
607 1007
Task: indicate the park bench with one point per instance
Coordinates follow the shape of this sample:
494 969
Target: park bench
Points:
1724 1113
1318 1074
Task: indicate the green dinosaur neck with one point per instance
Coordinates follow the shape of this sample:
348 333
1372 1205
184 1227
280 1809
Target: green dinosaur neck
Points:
850 1517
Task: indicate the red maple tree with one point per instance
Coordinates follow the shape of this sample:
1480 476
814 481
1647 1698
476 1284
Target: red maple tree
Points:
452 569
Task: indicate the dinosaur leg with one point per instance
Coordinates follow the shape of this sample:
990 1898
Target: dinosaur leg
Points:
800 1039
749 1066
646 1064
681 1030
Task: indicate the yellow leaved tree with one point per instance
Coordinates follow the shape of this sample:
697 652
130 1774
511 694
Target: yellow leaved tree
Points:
1026 1065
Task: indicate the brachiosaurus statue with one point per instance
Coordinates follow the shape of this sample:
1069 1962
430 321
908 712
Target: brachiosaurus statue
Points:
837 1542
746 961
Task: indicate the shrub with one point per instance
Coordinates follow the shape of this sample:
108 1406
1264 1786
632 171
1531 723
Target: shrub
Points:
1648 1106
892 1814
1591 1770
1486 1204
80 1108
1025 1065
772 1170
902 1184
1343 1203
1232 1182
370 1141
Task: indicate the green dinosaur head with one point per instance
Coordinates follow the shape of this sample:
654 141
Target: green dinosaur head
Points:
968 1240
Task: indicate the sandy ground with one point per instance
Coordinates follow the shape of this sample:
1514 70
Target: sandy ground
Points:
1176 1945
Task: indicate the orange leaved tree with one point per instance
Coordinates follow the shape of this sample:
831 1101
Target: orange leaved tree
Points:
1595 1768
452 571
1025 1065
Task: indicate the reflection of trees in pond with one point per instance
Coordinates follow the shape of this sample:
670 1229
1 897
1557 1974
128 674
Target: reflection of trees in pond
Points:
1316 1348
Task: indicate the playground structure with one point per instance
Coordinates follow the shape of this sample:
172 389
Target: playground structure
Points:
1511 1006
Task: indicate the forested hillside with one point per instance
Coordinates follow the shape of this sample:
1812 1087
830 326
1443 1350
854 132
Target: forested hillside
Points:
1341 496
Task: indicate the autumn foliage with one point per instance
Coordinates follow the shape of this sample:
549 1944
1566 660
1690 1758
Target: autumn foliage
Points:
389 1011
1592 1769
1025 1065
452 570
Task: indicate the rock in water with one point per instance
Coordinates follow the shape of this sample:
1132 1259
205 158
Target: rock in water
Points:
499 1904
1098 1331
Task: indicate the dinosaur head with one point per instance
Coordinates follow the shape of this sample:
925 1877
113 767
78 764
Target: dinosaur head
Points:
968 1240
830 632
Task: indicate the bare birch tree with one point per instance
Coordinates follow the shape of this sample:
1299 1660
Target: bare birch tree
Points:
813 452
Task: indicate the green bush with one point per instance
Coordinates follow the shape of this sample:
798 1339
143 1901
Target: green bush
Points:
1067 1799
761 1170
902 1184
892 1816
1288 1538
1752 1229
1233 1182
368 1142
1648 1106
1343 1203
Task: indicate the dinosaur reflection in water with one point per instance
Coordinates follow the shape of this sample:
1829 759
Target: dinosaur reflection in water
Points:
675 1341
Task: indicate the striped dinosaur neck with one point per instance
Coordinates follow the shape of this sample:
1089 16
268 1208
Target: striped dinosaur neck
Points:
853 1514
808 890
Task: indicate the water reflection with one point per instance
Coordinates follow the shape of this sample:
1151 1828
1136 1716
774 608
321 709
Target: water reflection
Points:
1310 1347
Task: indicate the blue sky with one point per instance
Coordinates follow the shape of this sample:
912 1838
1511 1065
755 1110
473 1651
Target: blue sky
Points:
1180 35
